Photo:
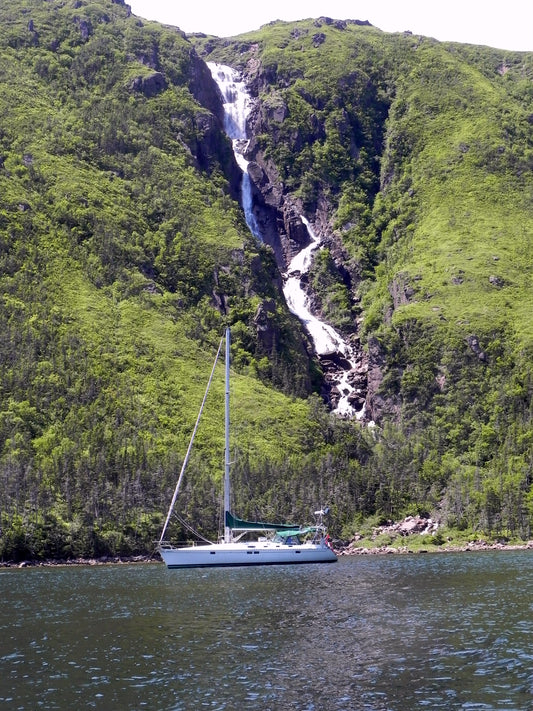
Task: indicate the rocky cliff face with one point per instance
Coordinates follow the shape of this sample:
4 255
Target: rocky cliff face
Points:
278 215
211 143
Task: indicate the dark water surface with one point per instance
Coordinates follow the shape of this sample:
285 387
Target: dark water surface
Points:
440 631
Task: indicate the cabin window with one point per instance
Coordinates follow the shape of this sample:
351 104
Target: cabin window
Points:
292 541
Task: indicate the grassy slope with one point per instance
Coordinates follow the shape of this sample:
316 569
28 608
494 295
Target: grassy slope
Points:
474 217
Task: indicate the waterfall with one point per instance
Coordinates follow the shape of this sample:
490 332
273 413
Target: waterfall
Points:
326 340
237 105
329 345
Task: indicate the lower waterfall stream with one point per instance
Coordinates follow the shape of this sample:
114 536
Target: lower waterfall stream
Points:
328 344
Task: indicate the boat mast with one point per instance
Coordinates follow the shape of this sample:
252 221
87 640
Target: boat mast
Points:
178 485
227 529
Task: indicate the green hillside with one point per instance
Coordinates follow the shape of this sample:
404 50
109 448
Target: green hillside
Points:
124 253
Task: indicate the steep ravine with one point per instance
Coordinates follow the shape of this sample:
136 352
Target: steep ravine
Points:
276 218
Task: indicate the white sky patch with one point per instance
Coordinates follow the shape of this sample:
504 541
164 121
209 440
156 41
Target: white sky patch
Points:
506 25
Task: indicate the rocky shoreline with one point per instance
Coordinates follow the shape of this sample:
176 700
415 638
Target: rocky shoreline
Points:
69 562
480 545
420 527
411 528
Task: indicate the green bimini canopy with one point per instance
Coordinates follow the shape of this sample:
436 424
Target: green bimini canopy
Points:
297 532
238 524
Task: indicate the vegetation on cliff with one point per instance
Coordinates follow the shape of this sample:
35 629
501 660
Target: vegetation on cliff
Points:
123 253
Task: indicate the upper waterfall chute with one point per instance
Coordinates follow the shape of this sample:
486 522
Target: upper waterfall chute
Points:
237 102
237 106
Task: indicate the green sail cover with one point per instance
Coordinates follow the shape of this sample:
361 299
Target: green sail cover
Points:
238 524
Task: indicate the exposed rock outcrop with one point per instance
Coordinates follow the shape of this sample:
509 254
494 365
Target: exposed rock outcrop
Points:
85 26
475 347
267 332
149 85
401 290
203 88
211 141
379 404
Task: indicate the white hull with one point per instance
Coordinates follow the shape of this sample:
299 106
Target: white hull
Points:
237 554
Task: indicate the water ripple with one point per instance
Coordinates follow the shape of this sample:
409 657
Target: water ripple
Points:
416 632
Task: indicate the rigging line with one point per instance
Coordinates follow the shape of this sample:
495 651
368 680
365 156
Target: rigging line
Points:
190 528
176 490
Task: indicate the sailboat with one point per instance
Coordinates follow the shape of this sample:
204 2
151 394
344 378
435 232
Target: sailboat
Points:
273 544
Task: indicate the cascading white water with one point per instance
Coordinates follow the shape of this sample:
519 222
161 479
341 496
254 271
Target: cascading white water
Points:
237 105
326 340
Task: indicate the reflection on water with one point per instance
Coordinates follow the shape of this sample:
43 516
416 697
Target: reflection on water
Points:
368 634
